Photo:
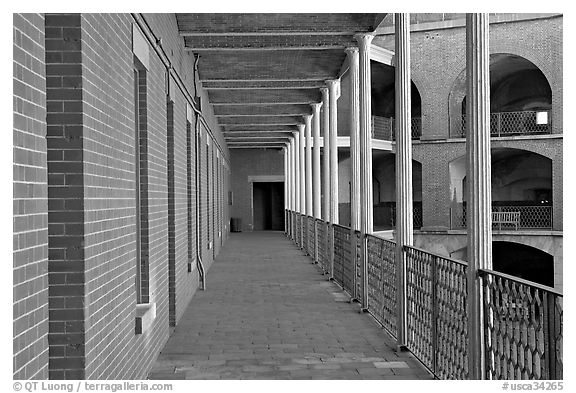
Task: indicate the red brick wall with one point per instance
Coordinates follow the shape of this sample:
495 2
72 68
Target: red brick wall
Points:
30 208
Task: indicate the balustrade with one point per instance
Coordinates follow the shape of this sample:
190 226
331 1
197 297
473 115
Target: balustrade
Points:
522 320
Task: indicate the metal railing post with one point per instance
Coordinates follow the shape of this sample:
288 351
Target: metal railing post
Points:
434 315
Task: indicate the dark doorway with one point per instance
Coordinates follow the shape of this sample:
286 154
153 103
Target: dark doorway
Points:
268 199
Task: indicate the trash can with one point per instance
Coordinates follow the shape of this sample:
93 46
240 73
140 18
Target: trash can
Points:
235 224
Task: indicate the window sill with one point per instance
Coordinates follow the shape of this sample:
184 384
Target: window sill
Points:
145 315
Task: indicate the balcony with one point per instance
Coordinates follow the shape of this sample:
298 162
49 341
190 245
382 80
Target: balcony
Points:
383 128
521 321
515 123
510 217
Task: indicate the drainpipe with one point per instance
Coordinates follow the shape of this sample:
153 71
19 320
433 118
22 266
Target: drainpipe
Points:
199 263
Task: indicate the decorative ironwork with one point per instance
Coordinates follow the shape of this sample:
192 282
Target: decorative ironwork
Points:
322 236
343 263
516 123
416 215
383 128
358 273
523 328
508 217
436 312
311 236
382 283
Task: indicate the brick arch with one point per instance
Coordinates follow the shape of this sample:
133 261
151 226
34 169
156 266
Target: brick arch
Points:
458 90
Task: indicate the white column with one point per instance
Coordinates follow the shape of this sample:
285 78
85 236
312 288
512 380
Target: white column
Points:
286 174
316 181
326 156
308 173
302 162
353 71
288 182
366 207
404 224
296 167
478 174
333 91
292 174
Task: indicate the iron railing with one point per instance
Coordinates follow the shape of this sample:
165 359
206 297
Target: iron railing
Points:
523 332
358 274
522 321
343 262
382 283
508 217
311 237
416 215
322 245
384 128
436 312
516 123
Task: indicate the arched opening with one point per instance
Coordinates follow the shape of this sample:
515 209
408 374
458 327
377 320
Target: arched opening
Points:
384 106
518 260
384 190
521 190
523 261
520 98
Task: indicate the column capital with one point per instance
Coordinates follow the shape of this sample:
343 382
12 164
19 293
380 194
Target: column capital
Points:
307 120
316 107
351 51
324 92
333 84
301 127
364 40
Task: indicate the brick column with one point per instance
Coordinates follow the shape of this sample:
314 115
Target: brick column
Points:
479 209
404 224
66 219
316 182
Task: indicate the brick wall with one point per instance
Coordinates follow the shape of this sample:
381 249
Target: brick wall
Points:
251 162
30 208
438 60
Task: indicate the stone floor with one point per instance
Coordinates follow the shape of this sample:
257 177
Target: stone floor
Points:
268 313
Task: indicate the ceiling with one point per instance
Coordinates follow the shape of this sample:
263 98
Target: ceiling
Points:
262 71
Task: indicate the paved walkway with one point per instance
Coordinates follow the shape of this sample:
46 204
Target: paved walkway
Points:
268 313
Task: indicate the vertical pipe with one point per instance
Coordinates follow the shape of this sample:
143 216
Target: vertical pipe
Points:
479 212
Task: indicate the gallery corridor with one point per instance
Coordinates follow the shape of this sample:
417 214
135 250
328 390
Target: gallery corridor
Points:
268 313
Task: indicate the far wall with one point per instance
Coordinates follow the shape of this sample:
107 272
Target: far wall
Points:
247 164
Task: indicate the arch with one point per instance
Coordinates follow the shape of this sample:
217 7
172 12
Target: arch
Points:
517 175
383 92
523 261
519 260
509 90
384 197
